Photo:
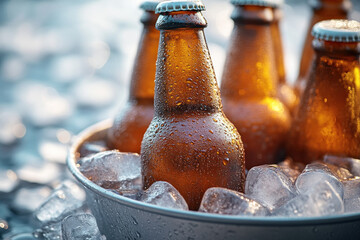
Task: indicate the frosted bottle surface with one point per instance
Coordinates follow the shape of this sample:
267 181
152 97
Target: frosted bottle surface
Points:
328 119
189 143
321 10
249 86
131 123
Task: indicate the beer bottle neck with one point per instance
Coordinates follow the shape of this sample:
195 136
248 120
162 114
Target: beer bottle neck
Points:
185 78
337 50
143 74
339 5
250 70
330 9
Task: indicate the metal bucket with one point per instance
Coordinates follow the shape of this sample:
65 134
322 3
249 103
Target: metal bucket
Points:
123 218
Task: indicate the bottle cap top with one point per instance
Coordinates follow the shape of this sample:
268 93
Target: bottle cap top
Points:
150 5
180 5
263 3
337 30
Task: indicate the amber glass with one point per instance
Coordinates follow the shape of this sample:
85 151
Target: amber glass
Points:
285 91
328 121
322 10
190 143
249 87
131 123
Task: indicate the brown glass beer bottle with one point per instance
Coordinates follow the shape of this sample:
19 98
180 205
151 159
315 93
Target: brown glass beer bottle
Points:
328 119
190 143
131 123
322 10
285 92
249 84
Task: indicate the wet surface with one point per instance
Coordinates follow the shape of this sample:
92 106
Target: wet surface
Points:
65 65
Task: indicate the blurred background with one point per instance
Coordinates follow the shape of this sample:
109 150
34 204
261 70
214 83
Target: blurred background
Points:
66 64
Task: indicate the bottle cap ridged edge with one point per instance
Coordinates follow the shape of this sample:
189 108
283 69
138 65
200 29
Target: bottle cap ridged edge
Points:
149 5
337 30
176 6
263 3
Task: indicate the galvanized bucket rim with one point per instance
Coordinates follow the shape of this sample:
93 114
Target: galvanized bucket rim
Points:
189 215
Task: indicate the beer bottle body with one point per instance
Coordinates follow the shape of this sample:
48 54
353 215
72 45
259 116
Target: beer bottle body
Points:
131 123
249 87
322 10
328 121
189 143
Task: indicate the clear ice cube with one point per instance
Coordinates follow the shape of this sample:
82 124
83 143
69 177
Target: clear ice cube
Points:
291 169
22 236
113 170
43 105
319 200
339 172
229 202
269 185
42 174
352 195
352 164
8 181
11 126
89 148
79 227
53 151
27 200
54 143
50 231
315 173
63 200
165 195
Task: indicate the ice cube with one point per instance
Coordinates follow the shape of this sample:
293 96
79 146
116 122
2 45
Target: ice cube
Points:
53 151
113 170
319 200
291 169
339 172
315 173
50 231
17 226
352 195
8 181
79 227
133 194
42 174
28 200
22 236
269 185
11 126
226 201
43 105
89 148
63 200
352 164
165 195
54 144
